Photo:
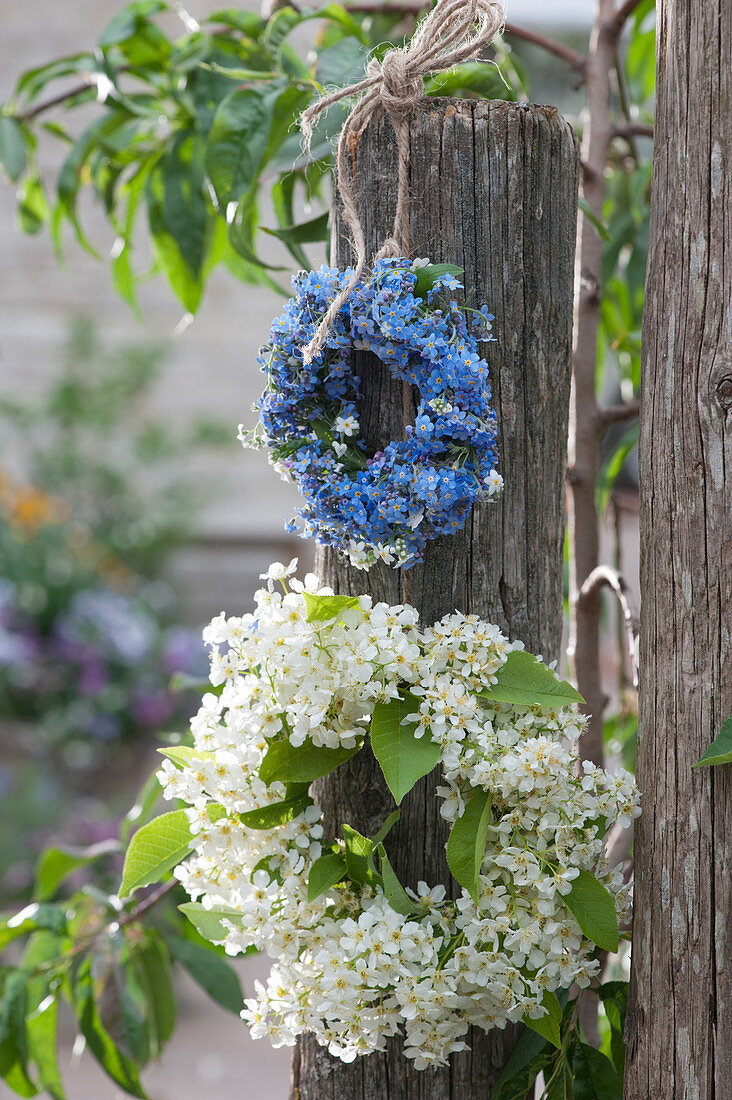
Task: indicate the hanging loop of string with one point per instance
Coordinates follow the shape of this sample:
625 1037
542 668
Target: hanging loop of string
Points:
454 31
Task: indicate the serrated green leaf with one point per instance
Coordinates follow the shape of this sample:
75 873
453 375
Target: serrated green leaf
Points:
12 147
403 757
286 763
594 1075
209 922
278 813
324 873
466 844
56 864
155 849
720 750
524 681
427 275
394 892
112 1060
327 607
358 852
210 971
549 1024
593 908
184 756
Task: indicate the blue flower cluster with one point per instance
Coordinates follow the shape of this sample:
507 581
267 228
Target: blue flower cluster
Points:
385 505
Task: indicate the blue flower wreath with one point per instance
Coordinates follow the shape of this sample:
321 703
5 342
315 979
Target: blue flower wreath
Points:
386 505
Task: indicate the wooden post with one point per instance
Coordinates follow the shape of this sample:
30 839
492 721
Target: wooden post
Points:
494 190
679 1027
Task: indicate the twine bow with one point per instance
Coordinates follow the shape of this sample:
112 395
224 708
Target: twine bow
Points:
454 31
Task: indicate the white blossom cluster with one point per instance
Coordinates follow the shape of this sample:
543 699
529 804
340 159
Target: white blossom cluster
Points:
349 968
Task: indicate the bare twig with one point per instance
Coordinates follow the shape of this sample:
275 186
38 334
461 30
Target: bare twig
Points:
603 576
633 129
54 101
615 414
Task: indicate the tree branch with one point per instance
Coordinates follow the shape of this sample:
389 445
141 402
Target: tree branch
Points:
615 414
615 25
632 129
606 577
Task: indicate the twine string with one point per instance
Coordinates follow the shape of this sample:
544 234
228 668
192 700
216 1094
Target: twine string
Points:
454 31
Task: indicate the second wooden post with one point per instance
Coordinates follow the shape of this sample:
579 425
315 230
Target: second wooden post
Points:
493 189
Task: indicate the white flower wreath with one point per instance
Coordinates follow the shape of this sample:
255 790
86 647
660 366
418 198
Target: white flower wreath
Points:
299 685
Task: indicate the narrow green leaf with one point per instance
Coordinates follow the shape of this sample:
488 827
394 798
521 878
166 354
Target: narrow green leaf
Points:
33 209
324 873
278 813
327 607
720 750
112 1060
549 1024
427 275
12 147
594 1075
594 910
210 971
209 922
152 963
403 757
358 851
394 892
42 1027
286 763
527 682
126 22
306 232
56 864
154 849
13 1038
614 997
237 143
466 844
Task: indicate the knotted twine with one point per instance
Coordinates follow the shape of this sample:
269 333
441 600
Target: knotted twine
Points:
454 31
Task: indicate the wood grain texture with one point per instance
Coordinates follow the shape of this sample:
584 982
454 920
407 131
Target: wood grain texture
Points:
679 1030
493 189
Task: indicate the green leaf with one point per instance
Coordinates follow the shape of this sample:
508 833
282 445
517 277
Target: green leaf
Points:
13 1038
549 1024
720 750
152 964
594 1075
33 208
466 843
154 849
285 763
56 864
529 1057
594 910
12 147
178 212
238 141
31 918
210 971
614 997
394 892
314 230
183 756
278 813
427 275
209 922
524 681
479 77
327 607
324 873
403 757
113 1061
42 1027
358 852
127 22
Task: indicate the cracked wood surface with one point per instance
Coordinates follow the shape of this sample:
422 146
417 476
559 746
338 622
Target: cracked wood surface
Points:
679 1029
494 190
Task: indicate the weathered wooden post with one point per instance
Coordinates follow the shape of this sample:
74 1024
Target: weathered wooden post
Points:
679 1027
493 188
